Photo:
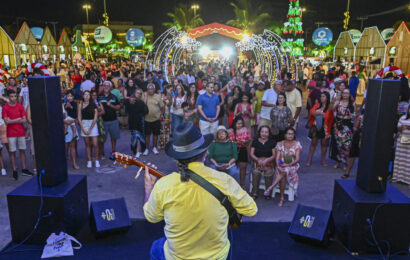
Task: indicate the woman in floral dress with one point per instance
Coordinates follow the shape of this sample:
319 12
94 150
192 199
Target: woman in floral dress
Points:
287 164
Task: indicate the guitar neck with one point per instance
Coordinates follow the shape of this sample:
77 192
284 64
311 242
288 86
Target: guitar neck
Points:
150 169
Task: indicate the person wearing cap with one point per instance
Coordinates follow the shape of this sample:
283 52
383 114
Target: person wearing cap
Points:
223 153
195 222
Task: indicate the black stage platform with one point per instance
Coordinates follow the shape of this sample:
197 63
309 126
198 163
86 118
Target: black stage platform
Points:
261 240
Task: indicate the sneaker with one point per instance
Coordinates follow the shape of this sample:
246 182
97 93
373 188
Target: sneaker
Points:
15 175
3 172
137 155
26 172
97 164
89 164
155 151
146 152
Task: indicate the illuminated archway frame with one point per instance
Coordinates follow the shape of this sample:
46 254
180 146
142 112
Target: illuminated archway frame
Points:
169 47
270 53
267 48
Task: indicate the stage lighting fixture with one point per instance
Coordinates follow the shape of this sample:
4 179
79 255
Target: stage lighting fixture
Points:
204 51
226 52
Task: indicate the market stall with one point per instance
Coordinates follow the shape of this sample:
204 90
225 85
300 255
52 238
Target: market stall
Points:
344 48
371 49
48 46
64 46
398 49
26 46
7 53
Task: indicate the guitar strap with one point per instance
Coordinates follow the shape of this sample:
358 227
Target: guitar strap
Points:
233 215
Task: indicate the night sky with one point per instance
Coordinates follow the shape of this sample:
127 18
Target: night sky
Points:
153 12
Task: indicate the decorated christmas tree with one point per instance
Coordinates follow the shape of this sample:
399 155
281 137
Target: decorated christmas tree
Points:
292 30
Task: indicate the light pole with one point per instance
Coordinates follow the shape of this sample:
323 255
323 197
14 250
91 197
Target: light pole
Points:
87 7
195 7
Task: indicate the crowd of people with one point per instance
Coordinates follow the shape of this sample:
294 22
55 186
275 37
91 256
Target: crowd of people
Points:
254 120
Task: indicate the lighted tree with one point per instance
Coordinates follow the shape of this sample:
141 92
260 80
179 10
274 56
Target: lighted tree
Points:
293 30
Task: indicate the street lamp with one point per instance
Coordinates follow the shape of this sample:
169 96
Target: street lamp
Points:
87 7
195 7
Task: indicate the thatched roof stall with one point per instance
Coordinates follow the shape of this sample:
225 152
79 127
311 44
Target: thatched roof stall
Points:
398 49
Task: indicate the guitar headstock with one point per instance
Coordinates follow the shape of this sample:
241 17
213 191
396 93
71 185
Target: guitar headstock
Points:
124 159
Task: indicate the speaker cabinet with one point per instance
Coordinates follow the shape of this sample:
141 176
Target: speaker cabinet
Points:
312 225
65 208
109 217
389 212
48 128
377 139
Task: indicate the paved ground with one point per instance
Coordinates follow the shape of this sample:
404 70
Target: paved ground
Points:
109 181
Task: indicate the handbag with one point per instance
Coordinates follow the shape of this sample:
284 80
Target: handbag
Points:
59 245
405 140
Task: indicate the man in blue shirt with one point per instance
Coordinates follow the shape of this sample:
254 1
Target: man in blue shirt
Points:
208 108
353 83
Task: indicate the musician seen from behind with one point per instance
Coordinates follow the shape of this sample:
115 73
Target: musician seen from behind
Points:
196 222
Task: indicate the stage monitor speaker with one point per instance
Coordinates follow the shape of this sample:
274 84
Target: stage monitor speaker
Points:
109 217
377 136
311 225
48 128
65 208
354 209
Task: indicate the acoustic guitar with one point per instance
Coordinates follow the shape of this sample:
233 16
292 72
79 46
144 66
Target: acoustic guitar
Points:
235 219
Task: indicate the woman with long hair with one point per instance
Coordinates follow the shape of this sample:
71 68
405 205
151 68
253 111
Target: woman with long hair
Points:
402 158
281 116
287 164
87 118
102 137
263 155
231 101
320 127
245 110
191 99
177 113
129 88
241 136
342 130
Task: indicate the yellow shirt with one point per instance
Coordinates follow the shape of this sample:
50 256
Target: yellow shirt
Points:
259 95
293 100
195 221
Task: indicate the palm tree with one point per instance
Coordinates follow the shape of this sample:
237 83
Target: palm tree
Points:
276 27
248 17
184 18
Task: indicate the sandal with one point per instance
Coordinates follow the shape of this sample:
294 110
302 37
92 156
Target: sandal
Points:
345 176
267 192
281 202
336 166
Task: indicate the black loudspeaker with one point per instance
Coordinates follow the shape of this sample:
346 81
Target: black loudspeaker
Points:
48 128
109 217
65 208
312 225
354 210
381 106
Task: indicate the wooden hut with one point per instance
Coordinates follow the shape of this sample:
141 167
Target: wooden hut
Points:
371 47
64 46
344 48
26 46
398 49
48 46
7 52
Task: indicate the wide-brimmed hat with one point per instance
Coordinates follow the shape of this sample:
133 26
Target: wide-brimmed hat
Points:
187 142
221 128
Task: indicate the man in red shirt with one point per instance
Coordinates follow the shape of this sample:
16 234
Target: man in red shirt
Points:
14 116
77 79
